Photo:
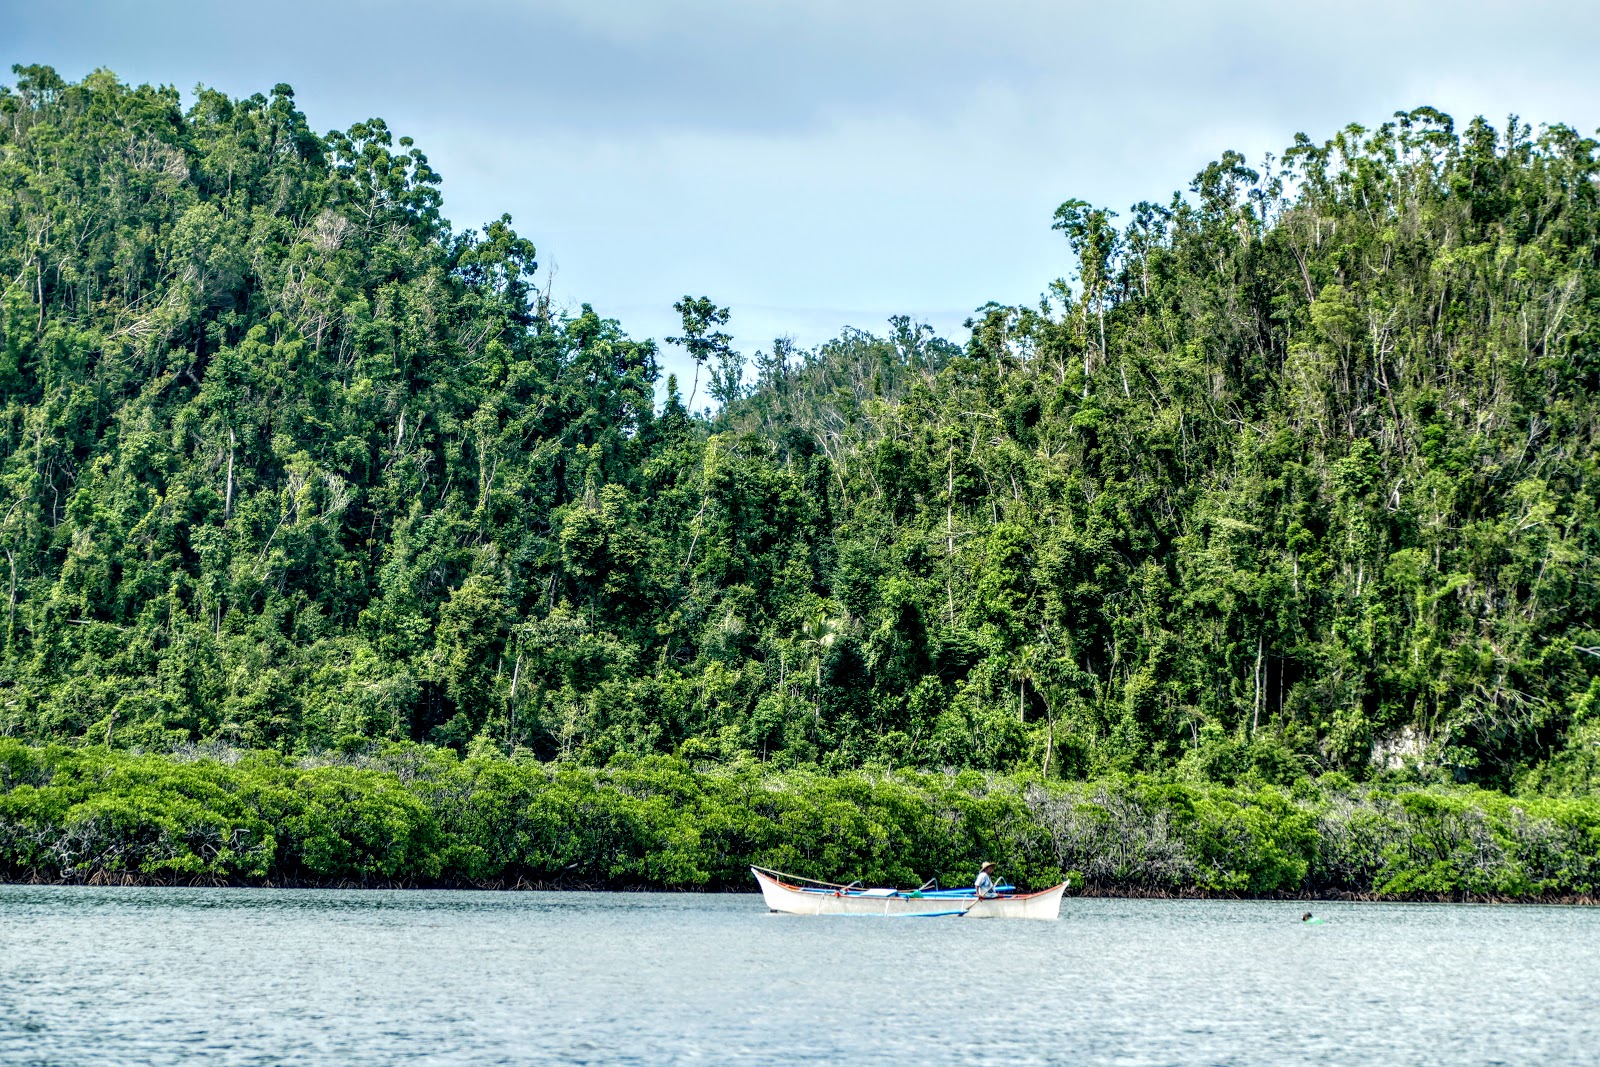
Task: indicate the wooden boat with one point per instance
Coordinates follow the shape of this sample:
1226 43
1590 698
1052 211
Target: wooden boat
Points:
805 896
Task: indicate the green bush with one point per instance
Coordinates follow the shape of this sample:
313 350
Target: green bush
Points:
413 814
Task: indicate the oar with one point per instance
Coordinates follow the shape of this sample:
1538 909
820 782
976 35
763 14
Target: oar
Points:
994 895
928 915
942 914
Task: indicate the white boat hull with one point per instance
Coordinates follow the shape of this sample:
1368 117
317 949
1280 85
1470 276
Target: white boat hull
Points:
797 900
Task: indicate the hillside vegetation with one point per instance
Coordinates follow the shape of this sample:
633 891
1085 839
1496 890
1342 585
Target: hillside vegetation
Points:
1298 475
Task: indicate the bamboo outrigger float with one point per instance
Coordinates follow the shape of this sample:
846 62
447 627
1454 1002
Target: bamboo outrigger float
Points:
807 896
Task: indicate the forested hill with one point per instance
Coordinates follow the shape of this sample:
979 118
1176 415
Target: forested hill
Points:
1300 475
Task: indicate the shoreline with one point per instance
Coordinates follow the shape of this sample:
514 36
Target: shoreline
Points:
108 818
128 880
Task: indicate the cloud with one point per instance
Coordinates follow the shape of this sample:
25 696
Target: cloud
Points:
818 163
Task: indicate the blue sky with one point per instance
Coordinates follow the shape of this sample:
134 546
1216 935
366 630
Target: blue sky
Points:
822 164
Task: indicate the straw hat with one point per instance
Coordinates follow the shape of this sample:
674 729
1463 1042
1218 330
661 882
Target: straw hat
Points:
986 866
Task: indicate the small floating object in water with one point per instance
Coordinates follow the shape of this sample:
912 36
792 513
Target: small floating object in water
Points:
1310 919
804 896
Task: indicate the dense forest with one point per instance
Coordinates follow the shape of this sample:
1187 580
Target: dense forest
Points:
1295 474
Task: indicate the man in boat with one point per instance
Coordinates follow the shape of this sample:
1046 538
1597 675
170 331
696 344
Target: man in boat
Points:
983 885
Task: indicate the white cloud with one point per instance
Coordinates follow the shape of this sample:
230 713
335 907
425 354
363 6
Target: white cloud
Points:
818 163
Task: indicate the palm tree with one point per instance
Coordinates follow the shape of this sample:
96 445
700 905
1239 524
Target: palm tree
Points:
1032 666
1024 669
820 633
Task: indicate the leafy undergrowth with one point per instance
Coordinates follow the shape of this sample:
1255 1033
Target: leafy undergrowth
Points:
416 815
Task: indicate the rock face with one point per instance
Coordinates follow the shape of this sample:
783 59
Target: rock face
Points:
1405 747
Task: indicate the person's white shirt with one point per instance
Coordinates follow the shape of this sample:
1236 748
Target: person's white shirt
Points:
984 884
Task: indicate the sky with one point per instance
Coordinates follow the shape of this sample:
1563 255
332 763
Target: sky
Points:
818 164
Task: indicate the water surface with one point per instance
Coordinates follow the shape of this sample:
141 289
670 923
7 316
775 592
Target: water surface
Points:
250 976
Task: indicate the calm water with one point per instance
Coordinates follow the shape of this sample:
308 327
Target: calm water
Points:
239 976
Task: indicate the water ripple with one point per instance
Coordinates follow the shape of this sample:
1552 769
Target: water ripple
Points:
123 976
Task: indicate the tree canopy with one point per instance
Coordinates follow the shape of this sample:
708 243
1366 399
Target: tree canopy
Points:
1295 476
